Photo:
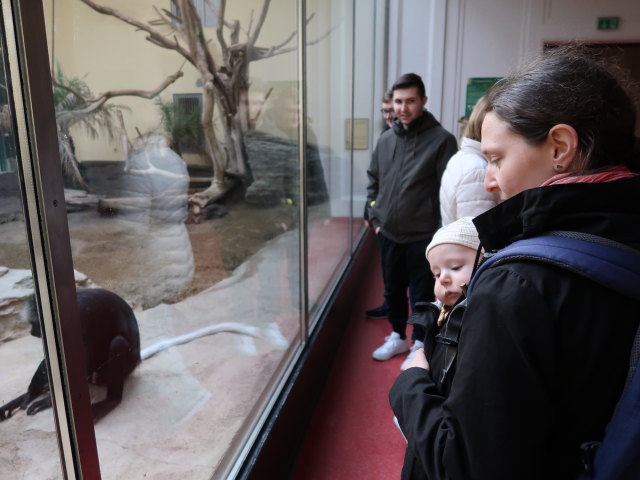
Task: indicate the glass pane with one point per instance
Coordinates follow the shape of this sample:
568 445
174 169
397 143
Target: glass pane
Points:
29 442
329 75
368 75
182 193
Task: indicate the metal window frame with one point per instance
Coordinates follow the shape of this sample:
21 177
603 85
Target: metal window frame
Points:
47 227
302 168
48 233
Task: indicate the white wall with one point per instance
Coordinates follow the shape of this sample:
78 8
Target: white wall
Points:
414 25
449 42
368 89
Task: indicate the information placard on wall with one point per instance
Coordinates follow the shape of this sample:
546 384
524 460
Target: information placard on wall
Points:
360 133
477 87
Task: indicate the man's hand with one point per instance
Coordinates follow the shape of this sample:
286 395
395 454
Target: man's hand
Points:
377 230
367 224
419 360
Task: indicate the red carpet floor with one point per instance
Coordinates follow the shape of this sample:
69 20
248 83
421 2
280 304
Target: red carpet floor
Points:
352 435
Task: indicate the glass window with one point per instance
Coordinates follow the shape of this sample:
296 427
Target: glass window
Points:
27 422
184 201
369 74
206 10
329 106
180 148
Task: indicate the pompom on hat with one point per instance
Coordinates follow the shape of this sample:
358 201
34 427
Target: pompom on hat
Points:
461 232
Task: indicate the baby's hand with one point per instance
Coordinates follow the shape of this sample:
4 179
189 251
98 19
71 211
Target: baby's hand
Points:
419 360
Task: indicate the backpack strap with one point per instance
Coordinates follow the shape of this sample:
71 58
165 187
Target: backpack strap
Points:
617 456
614 266
604 261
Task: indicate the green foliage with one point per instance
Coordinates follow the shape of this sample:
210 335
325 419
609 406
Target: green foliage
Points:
75 104
184 128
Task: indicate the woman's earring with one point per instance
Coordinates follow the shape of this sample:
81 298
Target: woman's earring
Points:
558 167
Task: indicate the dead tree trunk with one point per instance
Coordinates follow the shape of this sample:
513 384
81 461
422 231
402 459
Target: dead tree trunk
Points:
225 82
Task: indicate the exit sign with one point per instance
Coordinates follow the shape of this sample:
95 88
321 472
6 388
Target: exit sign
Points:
608 23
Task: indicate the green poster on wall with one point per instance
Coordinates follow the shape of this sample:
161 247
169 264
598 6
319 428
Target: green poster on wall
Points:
477 87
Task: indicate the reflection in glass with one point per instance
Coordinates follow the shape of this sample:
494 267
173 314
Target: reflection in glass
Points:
329 74
187 208
28 442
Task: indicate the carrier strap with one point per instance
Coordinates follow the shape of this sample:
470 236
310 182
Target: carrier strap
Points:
604 261
614 266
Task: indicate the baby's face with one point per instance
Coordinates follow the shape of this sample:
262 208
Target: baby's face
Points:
451 265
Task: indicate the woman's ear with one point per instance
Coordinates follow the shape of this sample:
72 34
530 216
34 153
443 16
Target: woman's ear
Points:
563 139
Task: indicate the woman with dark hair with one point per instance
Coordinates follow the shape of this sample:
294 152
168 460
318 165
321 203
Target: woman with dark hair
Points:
543 352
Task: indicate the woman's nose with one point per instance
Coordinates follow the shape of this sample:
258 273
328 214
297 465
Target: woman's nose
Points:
490 183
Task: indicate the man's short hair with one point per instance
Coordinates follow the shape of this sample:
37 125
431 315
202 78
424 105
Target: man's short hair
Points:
387 97
409 80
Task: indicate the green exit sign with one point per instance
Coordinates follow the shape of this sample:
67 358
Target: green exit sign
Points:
608 23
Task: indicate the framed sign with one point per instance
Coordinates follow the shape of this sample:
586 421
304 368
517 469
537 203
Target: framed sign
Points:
477 87
360 133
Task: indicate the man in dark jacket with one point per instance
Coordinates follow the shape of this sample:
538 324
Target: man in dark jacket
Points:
404 210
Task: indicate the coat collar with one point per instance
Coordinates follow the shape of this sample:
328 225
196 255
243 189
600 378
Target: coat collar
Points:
608 209
423 122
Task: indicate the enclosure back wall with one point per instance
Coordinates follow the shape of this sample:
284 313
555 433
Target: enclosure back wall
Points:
225 220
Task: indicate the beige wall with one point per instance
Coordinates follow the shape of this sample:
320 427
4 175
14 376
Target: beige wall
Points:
111 55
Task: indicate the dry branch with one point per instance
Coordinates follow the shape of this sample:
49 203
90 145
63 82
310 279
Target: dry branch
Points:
95 103
225 82
154 37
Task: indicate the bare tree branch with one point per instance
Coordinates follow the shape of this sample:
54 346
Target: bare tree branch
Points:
250 26
192 28
263 53
71 90
204 61
263 16
225 82
253 121
127 147
220 14
154 37
94 104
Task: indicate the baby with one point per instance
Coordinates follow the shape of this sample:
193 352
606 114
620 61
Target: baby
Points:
451 255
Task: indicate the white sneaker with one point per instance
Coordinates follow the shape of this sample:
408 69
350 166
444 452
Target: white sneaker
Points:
412 353
392 346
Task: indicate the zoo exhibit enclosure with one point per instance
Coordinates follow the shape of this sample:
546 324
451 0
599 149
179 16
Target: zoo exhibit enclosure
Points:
261 247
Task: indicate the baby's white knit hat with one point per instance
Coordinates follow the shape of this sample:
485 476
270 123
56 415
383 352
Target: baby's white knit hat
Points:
461 232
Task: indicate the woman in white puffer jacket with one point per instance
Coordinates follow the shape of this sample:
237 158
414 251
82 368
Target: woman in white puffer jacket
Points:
462 192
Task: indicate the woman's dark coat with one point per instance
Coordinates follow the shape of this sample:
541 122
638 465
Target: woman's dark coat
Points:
543 352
